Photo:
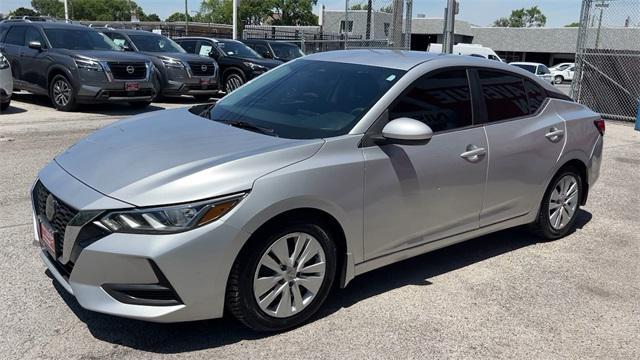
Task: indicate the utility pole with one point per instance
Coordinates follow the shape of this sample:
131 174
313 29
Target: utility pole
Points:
369 6
66 11
235 19
396 36
449 26
186 17
346 23
407 25
602 6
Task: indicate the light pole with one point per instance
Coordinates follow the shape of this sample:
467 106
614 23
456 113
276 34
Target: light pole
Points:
66 11
449 26
186 17
235 19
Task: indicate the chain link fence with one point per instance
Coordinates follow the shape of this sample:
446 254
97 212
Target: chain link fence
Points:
359 24
607 77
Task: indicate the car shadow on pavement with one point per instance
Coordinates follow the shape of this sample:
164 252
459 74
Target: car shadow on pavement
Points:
199 335
12 110
119 109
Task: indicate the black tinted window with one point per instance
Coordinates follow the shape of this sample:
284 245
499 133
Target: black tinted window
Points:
307 99
441 101
15 35
189 45
34 35
536 96
504 95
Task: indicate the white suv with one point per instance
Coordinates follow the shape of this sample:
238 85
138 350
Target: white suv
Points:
540 70
6 83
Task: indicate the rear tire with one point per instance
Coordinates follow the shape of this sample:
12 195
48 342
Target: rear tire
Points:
233 81
560 205
62 94
558 79
140 104
5 106
202 98
304 258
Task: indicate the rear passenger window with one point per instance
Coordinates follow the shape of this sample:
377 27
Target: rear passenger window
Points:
441 101
15 35
504 95
189 46
536 96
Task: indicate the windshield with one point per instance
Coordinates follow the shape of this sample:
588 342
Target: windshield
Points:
286 51
529 68
79 39
307 99
155 43
236 48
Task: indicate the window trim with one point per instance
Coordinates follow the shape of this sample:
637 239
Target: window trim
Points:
411 86
485 114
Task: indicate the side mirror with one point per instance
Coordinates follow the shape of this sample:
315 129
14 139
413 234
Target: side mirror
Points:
407 131
215 55
126 48
35 45
267 55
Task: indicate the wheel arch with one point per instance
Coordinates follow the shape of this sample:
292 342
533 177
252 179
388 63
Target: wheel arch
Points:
578 164
59 70
233 69
345 266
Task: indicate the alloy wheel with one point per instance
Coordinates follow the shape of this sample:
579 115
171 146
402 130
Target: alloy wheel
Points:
61 92
233 82
563 202
289 275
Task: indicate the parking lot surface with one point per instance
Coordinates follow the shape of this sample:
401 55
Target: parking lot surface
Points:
505 295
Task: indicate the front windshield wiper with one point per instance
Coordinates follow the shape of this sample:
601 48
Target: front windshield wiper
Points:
249 126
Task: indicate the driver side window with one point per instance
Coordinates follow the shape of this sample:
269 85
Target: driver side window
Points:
442 101
34 35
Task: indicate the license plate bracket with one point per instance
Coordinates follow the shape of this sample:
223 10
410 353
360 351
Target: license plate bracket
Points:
132 86
47 238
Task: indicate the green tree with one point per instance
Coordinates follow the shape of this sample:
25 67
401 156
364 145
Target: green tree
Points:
359 7
150 17
532 17
22 11
387 9
573 24
294 12
53 8
178 16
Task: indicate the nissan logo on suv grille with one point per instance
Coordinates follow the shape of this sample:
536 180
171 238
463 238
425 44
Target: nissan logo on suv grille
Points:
130 69
203 68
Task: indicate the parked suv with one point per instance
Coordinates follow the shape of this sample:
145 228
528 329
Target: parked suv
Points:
238 62
539 70
278 50
6 83
74 64
179 73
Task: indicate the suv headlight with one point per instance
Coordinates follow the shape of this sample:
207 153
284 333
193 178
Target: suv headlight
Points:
173 63
4 62
89 65
169 219
255 67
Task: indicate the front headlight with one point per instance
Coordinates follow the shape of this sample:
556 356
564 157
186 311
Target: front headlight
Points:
169 219
4 62
173 63
89 65
255 67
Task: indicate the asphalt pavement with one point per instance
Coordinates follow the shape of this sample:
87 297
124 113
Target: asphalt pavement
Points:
505 295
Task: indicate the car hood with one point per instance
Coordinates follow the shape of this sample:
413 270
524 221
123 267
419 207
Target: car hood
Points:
268 63
174 156
181 56
103 55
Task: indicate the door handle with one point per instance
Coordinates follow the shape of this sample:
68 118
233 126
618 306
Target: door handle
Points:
554 134
473 153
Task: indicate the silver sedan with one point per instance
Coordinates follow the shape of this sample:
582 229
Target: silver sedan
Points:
322 169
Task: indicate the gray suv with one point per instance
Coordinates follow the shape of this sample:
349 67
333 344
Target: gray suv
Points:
179 73
73 64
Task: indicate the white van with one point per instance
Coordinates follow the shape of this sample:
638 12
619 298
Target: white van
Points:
468 49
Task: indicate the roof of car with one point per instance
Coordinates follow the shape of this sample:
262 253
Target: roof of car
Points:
129 31
396 59
204 38
525 63
51 25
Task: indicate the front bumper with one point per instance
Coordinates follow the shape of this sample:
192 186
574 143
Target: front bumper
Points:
94 87
194 265
191 86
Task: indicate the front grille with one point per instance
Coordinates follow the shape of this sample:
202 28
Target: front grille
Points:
197 68
120 72
64 213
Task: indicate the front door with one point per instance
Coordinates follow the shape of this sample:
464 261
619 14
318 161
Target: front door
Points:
34 61
416 194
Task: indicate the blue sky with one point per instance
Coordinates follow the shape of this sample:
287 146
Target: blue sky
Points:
480 12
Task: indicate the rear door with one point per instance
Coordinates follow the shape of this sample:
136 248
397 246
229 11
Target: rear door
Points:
415 194
13 47
525 142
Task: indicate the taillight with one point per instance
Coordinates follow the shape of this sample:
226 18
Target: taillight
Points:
600 125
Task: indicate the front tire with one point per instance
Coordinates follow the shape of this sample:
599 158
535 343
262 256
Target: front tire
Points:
62 94
232 82
560 205
283 278
558 79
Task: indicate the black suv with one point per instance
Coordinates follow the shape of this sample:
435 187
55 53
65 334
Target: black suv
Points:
238 62
179 73
74 64
270 49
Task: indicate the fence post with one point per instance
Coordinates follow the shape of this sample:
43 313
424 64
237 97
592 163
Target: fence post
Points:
638 116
